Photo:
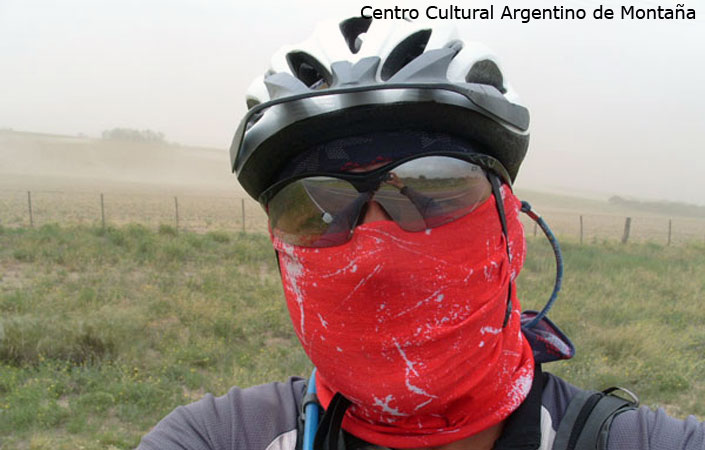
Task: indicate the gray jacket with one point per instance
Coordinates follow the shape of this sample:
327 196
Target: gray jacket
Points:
265 418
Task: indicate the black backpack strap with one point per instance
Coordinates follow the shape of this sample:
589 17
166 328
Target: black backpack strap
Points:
329 435
300 419
588 418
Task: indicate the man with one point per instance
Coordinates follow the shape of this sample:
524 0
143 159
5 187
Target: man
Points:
384 154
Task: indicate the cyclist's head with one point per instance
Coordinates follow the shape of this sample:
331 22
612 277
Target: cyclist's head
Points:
413 318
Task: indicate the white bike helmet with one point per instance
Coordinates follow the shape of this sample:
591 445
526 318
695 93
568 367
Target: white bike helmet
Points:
364 76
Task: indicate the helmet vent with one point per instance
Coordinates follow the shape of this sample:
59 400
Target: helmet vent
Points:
252 102
486 72
309 70
352 28
455 45
253 120
405 52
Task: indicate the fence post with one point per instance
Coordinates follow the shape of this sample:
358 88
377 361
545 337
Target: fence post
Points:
627 227
29 205
243 214
176 211
102 210
581 229
669 231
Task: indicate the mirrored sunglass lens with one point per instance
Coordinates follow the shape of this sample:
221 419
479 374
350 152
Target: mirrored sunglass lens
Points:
400 208
432 191
315 211
419 194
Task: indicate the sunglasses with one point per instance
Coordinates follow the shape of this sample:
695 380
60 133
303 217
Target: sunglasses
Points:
418 193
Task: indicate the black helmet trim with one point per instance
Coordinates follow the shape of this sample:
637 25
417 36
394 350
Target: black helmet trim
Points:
289 126
341 155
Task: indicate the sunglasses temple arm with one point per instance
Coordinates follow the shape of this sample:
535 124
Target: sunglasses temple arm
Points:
526 208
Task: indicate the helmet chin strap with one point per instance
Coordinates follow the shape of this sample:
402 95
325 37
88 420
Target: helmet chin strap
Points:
526 208
499 201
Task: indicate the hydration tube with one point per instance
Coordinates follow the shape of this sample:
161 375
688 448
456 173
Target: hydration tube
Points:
311 413
526 208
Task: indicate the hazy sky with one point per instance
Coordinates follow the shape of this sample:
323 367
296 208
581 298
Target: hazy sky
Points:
617 107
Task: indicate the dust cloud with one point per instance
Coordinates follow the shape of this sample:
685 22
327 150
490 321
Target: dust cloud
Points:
616 107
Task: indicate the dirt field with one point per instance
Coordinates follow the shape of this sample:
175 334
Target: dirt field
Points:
147 183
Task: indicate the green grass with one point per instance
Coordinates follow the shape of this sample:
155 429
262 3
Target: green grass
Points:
635 315
103 332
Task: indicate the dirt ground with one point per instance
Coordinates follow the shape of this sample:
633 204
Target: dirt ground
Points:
91 181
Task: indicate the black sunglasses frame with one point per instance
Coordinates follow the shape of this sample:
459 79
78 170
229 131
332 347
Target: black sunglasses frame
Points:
370 181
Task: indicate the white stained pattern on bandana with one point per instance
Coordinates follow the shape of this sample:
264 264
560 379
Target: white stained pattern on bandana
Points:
294 271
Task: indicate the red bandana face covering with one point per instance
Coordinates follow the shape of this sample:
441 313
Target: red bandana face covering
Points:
408 326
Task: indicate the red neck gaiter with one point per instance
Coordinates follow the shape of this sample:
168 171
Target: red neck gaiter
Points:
408 326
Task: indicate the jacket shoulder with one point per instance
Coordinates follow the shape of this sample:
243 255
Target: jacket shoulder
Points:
261 417
644 428
635 429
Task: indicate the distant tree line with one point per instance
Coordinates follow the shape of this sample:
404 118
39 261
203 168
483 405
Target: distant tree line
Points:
661 207
132 135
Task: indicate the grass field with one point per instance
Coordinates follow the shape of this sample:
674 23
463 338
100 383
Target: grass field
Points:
104 331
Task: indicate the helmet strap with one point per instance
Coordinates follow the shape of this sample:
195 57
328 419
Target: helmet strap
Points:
497 192
329 432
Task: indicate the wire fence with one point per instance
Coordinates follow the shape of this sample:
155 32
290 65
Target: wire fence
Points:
203 212
195 212
594 227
